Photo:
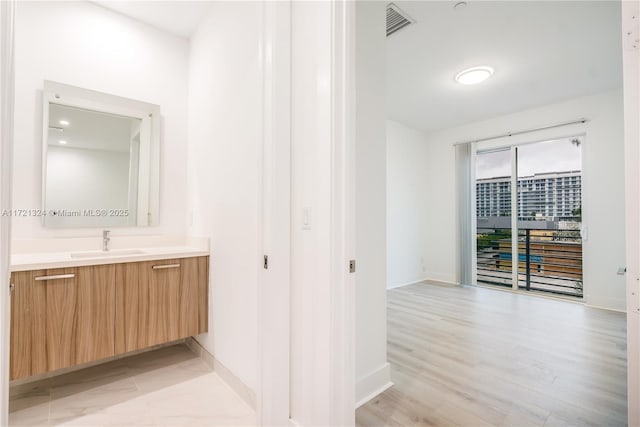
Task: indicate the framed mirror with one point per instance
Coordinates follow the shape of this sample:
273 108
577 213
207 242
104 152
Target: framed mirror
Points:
100 159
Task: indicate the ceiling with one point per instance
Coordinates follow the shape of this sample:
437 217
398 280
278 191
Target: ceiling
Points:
542 52
180 18
90 130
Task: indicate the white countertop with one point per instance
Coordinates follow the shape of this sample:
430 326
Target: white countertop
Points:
42 254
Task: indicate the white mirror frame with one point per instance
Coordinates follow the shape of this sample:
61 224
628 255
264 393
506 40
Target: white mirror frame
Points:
149 189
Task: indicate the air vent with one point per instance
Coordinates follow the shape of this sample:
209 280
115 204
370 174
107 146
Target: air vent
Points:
396 19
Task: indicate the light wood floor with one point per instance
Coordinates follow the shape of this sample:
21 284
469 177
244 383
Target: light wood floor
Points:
466 356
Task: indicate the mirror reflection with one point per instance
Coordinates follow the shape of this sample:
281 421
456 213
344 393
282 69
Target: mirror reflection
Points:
92 168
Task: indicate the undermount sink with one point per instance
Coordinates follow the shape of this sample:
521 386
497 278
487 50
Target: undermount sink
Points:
98 254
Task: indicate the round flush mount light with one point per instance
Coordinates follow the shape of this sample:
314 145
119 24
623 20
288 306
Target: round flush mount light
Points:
62 142
475 75
64 122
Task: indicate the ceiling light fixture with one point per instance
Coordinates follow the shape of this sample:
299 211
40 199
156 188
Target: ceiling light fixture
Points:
62 142
475 75
64 122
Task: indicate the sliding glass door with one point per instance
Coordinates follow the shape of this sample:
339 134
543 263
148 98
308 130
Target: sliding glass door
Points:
550 216
493 211
546 178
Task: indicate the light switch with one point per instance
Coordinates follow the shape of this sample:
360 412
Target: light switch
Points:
306 218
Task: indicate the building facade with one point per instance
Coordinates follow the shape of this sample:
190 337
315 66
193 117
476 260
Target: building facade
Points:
545 195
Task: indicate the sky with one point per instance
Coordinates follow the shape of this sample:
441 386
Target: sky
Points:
549 156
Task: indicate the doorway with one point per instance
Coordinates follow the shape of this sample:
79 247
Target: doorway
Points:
529 208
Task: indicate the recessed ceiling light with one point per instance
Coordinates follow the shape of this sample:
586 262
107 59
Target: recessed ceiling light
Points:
64 122
475 75
62 142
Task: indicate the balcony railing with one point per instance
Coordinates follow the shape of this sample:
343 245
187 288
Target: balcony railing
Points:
548 260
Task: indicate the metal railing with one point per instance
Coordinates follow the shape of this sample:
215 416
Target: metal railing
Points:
548 260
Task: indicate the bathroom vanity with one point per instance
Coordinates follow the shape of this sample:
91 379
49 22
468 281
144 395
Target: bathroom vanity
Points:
71 303
70 310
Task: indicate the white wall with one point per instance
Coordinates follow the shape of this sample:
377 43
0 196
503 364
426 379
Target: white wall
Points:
408 207
84 45
224 175
80 179
310 158
372 369
603 187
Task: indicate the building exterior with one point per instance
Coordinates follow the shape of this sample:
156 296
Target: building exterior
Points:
545 195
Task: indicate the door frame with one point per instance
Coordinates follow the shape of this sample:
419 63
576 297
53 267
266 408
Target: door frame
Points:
332 394
342 328
7 27
512 147
631 91
274 284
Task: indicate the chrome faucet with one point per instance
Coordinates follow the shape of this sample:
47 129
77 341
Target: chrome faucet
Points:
106 240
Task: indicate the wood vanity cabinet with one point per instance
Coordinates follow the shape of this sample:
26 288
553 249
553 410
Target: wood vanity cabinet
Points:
61 317
68 316
160 301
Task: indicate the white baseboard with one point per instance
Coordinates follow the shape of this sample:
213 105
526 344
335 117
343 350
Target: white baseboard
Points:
426 279
406 284
373 384
605 307
445 282
440 277
245 392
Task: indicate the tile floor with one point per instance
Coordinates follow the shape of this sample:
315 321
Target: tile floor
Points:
169 386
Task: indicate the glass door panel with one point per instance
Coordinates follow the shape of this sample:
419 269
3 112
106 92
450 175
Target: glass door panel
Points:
493 212
550 216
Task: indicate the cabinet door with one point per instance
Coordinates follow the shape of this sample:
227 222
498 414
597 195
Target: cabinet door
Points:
189 297
191 312
160 301
132 305
164 301
203 294
147 304
28 325
195 277
61 317
95 331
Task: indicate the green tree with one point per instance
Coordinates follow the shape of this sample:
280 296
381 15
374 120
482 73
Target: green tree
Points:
491 240
577 212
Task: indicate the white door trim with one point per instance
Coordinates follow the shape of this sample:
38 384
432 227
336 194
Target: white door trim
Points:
7 14
274 287
343 214
322 216
631 67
